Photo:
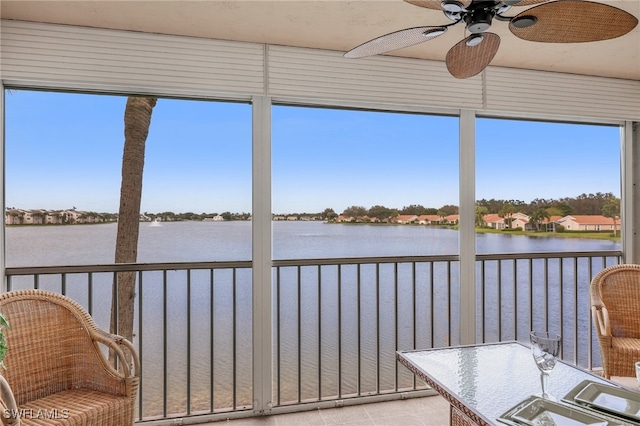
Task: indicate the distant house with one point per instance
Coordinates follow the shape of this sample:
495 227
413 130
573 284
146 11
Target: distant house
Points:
56 217
594 222
492 220
550 224
521 220
34 217
51 217
27 218
14 216
405 218
73 216
517 220
429 219
452 219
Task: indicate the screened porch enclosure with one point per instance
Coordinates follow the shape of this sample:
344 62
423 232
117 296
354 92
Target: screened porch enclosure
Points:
267 333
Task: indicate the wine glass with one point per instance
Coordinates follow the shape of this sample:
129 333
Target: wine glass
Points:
545 348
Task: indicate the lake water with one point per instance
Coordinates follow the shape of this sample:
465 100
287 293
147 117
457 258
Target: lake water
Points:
218 241
308 331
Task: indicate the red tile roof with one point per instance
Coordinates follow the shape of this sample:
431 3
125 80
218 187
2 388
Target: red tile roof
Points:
492 218
429 217
591 219
405 217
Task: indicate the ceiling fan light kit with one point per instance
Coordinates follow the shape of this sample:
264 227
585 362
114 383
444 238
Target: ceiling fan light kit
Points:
523 21
548 21
474 40
452 6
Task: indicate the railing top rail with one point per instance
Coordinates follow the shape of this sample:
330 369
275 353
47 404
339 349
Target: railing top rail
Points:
365 260
171 266
547 255
126 267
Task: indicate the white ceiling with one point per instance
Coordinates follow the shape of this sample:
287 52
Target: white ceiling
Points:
334 25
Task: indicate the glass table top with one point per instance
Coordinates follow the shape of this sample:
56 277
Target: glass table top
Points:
492 378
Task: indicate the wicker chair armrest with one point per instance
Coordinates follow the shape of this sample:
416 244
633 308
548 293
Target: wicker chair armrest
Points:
601 320
128 359
8 403
132 355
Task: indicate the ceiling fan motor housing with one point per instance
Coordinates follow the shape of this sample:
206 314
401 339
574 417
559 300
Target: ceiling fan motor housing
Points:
479 20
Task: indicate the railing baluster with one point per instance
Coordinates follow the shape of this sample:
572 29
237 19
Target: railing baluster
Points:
114 305
299 337
546 294
339 306
396 320
188 342
90 293
575 311
450 301
530 294
140 346
433 304
561 297
589 322
359 332
234 334
212 369
377 328
165 384
499 304
515 299
483 286
319 333
278 339
414 304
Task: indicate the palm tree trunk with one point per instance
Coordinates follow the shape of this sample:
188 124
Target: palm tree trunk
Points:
137 119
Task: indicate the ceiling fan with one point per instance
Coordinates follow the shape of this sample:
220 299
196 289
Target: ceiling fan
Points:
559 21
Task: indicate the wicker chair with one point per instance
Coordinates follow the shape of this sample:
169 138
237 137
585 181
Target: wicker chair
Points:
56 366
615 307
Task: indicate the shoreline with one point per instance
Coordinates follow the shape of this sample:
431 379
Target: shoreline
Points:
592 235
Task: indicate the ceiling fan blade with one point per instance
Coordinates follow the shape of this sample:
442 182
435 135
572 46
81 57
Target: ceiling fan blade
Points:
572 21
470 56
436 4
395 40
519 3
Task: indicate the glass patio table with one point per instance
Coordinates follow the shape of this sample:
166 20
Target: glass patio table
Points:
482 382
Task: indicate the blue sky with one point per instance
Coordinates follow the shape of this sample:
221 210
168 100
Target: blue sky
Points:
528 160
65 150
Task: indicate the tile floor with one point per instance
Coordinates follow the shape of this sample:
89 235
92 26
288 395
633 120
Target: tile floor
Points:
426 411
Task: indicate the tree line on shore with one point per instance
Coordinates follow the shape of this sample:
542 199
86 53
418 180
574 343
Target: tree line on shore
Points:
605 204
